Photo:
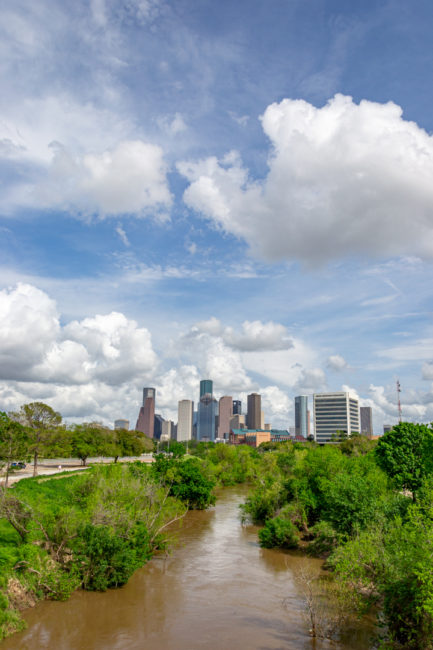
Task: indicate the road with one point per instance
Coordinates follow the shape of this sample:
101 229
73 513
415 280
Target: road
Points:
51 466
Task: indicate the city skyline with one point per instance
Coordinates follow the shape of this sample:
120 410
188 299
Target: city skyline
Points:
230 190
216 419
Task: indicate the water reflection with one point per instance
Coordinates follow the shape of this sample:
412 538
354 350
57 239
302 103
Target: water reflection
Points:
218 590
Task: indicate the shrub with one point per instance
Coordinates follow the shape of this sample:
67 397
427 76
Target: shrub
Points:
325 538
279 532
106 560
191 485
263 503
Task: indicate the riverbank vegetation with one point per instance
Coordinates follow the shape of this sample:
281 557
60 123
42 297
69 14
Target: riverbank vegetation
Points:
368 509
91 530
365 507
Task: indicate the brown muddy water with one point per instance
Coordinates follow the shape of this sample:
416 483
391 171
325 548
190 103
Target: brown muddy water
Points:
217 590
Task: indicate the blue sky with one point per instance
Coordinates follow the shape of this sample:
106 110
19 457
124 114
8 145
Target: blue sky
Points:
234 190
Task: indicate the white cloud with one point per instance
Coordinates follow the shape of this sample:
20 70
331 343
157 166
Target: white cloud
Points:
386 400
123 236
311 380
174 385
348 389
336 362
172 125
283 367
383 300
254 335
130 178
82 158
225 366
427 370
120 350
37 123
212 326
242 120
34 347
29 323
418 350
343 179
276 406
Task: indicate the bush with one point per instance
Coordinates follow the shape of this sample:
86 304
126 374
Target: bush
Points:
280 533
191 485
105 559
263 503
325 538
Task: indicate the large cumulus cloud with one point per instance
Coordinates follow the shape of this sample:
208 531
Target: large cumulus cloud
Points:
35 347
343 179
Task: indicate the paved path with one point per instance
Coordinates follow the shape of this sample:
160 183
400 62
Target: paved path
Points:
56 465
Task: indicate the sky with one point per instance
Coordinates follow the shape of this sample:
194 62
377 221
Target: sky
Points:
239 191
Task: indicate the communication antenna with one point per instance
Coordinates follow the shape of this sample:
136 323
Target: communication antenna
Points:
398 400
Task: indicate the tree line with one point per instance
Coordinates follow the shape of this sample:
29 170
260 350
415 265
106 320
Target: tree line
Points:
37 430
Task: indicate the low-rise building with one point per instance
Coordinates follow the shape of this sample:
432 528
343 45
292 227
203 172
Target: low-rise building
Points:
252 437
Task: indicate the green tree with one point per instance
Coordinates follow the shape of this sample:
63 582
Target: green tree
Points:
89 440
14 442
42 422
130 443
357 445
406 455
352 499
191 485
188 480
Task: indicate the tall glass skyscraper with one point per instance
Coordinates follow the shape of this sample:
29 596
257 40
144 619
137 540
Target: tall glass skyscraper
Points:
206 387
207 411
237 407
301 416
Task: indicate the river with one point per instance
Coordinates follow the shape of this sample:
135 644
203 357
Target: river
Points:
217 590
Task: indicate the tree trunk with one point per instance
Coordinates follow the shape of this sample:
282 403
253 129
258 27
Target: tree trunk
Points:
35 464
7 474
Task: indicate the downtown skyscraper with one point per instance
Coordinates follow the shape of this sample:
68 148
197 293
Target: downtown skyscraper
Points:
146 416
301 416
254 411
185 417
224 416
207 411
366 420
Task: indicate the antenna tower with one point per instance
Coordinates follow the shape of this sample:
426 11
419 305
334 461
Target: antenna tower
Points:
398 400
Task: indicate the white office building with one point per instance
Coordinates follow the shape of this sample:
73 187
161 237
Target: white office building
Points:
185 419
167 430
334 412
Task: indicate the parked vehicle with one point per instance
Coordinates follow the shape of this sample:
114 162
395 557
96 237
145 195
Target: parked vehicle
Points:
18 465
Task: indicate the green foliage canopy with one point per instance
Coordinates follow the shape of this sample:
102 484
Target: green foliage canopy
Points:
406 454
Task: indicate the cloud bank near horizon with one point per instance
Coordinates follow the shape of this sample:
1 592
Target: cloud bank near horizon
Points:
94 368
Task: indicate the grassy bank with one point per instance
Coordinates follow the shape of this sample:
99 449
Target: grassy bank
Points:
89 530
